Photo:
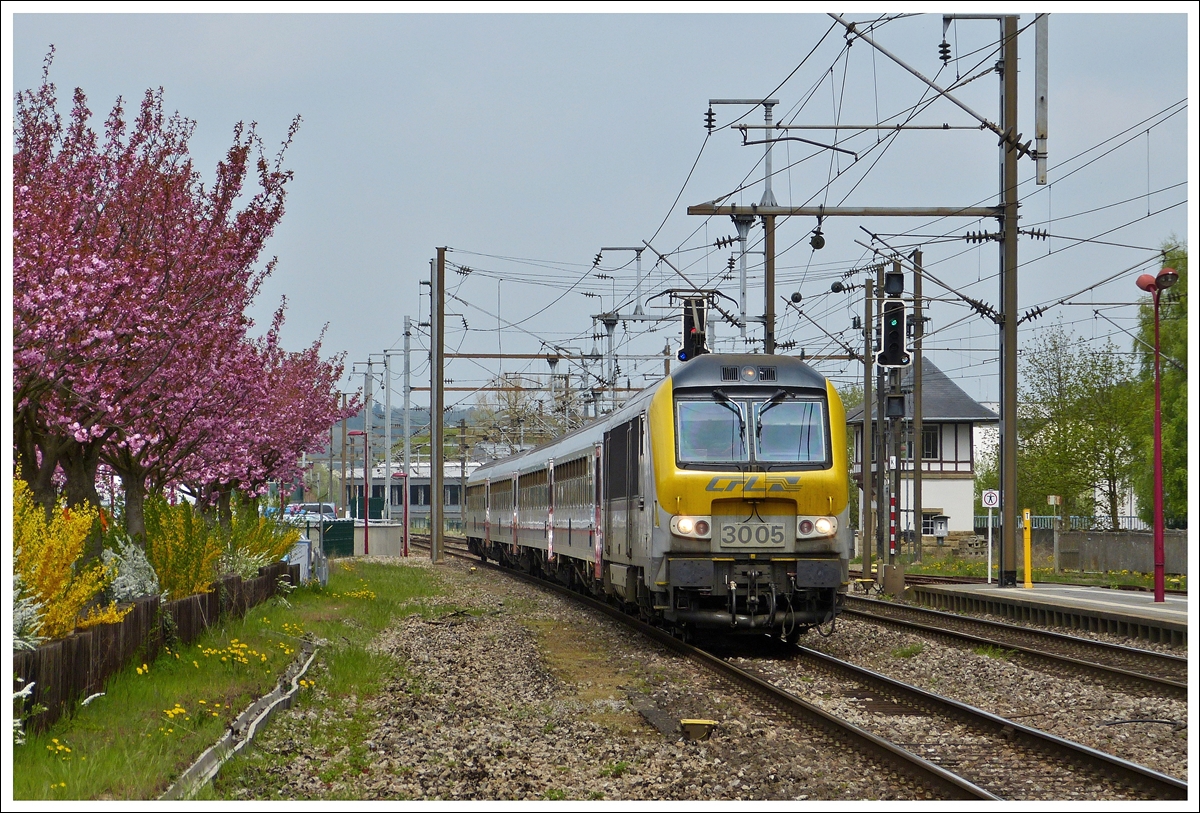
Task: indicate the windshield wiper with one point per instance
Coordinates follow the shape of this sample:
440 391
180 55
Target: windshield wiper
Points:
772 402
724 400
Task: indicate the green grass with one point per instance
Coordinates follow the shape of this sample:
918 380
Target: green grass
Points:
615 769
909 651
995 652
156 718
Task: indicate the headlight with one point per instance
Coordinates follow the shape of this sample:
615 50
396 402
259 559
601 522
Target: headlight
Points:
812 527
695 527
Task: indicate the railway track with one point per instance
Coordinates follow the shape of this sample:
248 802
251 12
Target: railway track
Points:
1138 669
1006 758
956 752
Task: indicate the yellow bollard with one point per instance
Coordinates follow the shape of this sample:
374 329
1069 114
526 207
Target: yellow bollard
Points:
1028 552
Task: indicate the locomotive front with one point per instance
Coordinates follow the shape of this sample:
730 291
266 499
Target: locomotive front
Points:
751 529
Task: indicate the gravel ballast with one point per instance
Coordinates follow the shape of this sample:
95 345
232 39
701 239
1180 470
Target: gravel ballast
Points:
525 696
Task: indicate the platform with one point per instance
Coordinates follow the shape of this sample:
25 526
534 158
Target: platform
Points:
1127 613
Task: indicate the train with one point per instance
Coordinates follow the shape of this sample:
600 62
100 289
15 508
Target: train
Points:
714 502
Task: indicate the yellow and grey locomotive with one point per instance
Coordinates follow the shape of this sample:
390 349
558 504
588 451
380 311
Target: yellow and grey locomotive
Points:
715 500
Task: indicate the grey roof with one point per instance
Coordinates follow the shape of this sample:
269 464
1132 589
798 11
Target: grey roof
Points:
942 399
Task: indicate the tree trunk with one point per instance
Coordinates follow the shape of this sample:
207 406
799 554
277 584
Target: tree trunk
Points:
79 463
224 513
135 509
37 460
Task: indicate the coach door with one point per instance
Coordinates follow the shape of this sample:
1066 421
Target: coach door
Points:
622 485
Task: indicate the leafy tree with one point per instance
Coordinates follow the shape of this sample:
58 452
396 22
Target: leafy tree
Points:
1173 337
1078 424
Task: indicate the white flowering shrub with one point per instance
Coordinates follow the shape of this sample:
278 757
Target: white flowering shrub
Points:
27 617
135 575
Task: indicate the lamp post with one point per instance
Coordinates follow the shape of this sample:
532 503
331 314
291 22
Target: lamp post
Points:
1155 285
366 488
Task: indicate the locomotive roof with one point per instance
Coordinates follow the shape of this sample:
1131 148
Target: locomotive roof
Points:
708 370
779 371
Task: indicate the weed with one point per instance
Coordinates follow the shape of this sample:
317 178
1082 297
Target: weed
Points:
554 795
615 769
995 652
908 651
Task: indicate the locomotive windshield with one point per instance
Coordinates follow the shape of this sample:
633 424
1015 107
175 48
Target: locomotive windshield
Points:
789 432
783 430
711 432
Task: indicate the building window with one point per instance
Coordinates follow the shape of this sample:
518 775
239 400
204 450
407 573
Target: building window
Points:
451 495
931 442
927 522
418 495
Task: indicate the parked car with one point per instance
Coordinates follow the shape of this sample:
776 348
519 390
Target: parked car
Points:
302 512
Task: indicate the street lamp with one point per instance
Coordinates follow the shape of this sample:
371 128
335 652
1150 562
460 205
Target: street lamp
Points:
366 488
1154 285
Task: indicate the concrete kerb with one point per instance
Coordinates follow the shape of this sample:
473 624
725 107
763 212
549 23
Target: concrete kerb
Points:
244 728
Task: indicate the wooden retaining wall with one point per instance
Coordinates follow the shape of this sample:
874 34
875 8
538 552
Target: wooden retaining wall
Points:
69 669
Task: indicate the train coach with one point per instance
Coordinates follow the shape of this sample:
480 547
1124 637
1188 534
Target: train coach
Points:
714 501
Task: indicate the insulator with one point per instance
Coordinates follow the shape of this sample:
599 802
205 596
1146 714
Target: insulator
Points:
710 119
724 242
944 51
732 262
596 261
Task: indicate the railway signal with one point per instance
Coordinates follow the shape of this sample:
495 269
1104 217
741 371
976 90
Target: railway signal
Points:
695 321
893 349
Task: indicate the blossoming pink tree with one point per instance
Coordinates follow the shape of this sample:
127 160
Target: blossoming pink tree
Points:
131 281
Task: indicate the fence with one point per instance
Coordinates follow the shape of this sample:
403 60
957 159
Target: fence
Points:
1073 523
67 669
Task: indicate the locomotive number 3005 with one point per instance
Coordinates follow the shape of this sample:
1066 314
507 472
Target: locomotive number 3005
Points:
752 533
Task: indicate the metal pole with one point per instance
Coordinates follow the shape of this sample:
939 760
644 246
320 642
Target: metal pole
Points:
637 308
894 464
367 493
436 429
1008 288
769 286
610 325
367 456
407 428
387 434
462 473
880 448
1160 592
342 491
918 425
743 224
867 510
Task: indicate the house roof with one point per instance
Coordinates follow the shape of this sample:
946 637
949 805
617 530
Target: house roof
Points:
942 399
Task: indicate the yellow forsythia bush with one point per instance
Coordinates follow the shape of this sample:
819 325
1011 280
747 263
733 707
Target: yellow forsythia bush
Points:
46 555
183 548
265 537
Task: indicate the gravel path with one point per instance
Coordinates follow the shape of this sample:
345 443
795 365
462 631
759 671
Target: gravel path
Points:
524 698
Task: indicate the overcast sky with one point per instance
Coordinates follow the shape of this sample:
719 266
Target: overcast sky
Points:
526 142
